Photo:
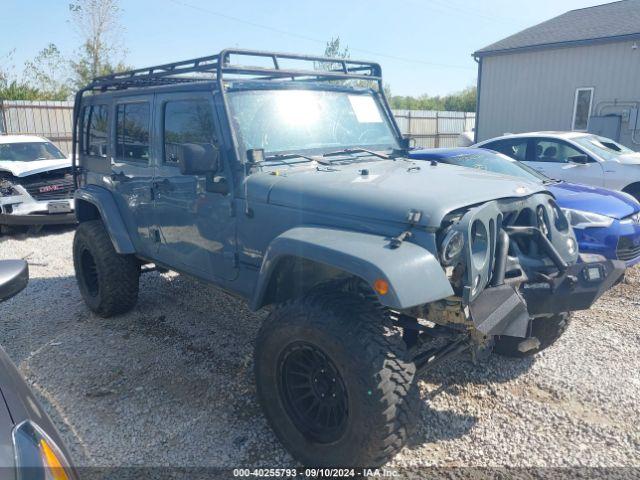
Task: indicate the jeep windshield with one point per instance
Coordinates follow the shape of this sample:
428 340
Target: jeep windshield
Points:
286 122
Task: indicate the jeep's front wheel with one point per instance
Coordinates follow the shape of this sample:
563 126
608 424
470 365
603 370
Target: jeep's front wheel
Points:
335 381
546 329
107 280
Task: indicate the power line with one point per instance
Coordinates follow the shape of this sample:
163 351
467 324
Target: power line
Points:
316 40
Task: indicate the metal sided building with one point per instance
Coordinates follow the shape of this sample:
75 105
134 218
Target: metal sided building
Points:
578 71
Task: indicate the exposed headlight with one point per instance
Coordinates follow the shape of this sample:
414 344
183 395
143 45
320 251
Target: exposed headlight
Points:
451 246
572 246
37 456
6 188
581 219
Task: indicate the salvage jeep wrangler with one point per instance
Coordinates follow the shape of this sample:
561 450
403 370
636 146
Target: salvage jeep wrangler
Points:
283 179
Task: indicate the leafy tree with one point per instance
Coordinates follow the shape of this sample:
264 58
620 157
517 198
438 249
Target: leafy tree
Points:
10 87
98 24
14 90
333 49
48 73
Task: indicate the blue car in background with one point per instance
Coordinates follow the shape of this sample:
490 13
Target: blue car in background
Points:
606 222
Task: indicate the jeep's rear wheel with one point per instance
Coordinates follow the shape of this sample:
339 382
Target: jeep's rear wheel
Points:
546 329
335 381
107 280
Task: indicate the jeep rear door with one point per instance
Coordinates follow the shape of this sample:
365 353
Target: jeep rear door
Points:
131 168
197 229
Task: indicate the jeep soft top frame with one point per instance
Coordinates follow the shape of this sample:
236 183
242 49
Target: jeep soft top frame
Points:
219 68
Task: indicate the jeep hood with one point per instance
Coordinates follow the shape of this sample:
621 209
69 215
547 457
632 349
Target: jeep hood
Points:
24 169
387 192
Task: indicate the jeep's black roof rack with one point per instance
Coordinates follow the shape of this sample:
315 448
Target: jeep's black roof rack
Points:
220 67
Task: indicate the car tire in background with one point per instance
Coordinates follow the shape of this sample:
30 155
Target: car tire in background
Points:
335 381
108 281
546 329
634 191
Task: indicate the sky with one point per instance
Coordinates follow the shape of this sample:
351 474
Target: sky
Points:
424 46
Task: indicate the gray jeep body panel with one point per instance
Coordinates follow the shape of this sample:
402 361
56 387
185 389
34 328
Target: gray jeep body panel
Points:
103 200
414 275
387 193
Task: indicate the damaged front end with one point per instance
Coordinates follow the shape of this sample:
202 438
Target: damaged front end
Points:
37 199
509 261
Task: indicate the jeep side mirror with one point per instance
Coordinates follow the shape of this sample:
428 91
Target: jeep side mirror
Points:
405 143
198 158
579 159
14 276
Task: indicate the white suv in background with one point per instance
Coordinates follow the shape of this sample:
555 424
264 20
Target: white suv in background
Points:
575 157
36 182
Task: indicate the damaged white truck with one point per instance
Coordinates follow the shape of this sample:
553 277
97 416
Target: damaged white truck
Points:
36 183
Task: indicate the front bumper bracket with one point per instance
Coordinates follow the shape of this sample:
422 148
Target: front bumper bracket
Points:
577 289
501 310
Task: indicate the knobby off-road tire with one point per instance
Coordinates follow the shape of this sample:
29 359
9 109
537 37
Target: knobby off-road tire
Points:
107 280
337 345
546 330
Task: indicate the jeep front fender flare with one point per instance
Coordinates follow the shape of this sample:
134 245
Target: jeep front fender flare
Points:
414 275
103 200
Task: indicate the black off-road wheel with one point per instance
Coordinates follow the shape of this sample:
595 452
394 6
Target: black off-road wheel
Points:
546 329
107 280
335 382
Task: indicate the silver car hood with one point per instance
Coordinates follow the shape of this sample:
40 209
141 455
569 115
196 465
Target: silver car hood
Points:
629 159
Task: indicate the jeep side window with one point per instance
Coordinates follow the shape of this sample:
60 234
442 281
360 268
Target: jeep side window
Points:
132 132
96 121
186 121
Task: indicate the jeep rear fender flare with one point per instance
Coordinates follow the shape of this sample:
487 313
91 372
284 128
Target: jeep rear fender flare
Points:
413 274
103 201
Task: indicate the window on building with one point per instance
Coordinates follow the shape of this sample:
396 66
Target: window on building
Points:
516 148
582 108
96 121
132 132
187 121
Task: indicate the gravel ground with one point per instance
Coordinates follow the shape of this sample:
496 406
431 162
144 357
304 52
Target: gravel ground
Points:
171 382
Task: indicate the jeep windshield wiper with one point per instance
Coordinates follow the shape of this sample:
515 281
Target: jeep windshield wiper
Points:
282 157
347 151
